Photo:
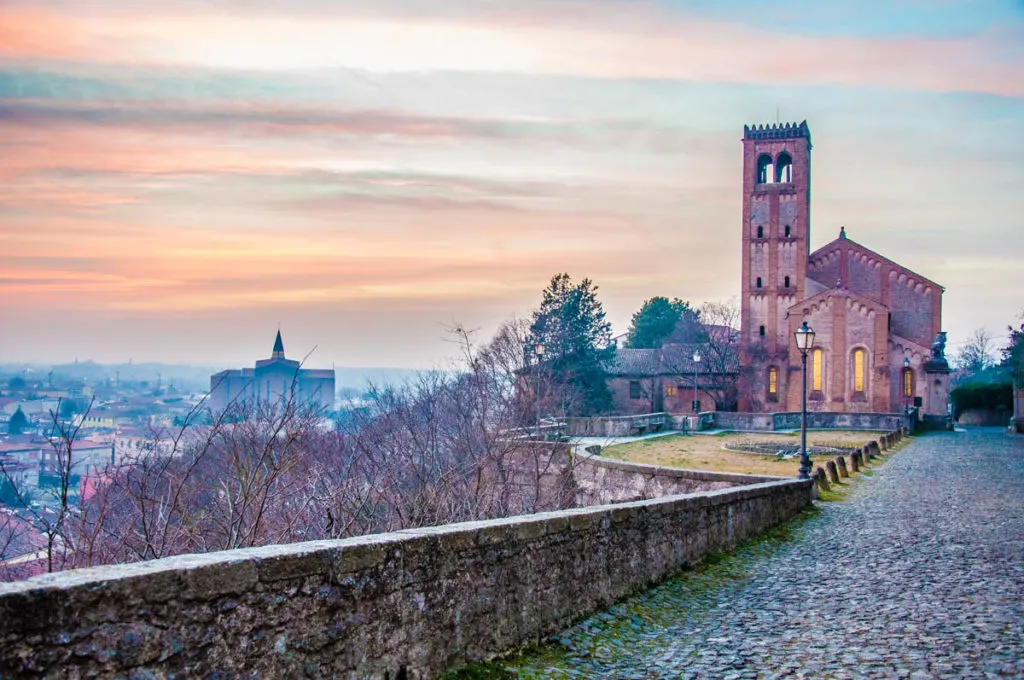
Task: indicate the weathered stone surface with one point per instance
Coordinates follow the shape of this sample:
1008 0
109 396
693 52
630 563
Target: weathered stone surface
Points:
405 604
821 478
833 471
917 574
841 464
855 461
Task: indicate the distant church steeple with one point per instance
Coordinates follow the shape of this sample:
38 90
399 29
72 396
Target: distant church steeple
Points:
278 347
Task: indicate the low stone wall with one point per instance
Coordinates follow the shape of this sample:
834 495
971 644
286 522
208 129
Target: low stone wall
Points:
408 604
617 426
743 421
755 422
601 481
984 416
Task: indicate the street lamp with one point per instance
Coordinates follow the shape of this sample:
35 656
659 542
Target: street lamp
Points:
537 333
804 340
906 384
696 365
538 350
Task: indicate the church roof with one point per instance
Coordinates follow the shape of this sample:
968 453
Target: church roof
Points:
838 291
278 344
845 243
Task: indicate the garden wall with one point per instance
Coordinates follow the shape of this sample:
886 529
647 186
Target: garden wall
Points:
407 604
764 422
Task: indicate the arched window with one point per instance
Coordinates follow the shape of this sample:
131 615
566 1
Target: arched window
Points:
787 282
765 170
758 281
773 383
784 168
760 232
817 370
908 382
859 369
760 331
789 231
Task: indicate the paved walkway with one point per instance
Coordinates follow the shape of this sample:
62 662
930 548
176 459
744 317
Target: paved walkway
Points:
918 574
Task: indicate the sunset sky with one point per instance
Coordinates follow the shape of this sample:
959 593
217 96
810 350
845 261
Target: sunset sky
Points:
179 178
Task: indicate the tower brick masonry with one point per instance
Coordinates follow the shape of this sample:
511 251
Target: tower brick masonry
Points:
870 314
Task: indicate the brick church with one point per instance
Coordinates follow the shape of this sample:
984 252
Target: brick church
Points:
878 346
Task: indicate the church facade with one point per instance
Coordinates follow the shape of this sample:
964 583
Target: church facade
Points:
878 342
273 381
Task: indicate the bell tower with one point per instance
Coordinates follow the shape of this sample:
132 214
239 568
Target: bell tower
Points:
775 241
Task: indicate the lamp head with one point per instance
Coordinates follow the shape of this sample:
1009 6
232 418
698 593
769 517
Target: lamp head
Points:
696 355
804 337
906 362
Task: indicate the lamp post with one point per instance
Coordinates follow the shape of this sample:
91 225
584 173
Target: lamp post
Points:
696 365
906 385
538 350
804 340
537 334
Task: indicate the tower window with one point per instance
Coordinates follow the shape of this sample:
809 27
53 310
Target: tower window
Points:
773 382
760 232
760 331
784 168
787 282
765 169
817 359
758 281
788 231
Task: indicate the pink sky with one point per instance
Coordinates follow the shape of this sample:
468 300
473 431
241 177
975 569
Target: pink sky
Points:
179 179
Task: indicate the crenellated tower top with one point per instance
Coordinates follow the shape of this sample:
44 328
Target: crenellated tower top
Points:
775 131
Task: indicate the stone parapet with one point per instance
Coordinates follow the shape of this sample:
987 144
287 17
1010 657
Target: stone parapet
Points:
404 604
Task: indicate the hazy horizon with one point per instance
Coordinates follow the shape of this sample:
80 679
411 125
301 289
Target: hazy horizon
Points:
180 179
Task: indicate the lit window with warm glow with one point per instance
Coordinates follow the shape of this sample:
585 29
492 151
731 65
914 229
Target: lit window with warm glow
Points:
773 381
859 356
908 383
816 361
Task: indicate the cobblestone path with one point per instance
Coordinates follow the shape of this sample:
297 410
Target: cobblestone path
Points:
918 574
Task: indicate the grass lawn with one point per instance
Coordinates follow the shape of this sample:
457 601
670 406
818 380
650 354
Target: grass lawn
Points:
706 452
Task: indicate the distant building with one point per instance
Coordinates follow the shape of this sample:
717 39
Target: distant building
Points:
273 380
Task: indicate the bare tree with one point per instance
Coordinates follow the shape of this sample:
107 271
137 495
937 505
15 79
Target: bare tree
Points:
720 346
446 446
976 355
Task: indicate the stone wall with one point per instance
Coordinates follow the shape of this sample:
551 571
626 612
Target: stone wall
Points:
816 420
617 426
743 421
600 481
843 421
408 604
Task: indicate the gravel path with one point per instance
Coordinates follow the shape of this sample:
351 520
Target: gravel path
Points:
918 574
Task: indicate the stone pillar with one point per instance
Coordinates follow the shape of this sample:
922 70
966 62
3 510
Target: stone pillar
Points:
821 478
833 471
841 464
936 387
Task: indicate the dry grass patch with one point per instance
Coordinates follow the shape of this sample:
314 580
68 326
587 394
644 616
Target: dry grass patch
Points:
706 452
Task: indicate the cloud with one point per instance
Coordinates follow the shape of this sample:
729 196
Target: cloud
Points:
596 39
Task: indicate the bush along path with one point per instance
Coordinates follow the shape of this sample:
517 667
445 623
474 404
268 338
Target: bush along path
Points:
916 574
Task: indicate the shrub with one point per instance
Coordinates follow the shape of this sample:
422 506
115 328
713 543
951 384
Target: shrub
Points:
996 397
